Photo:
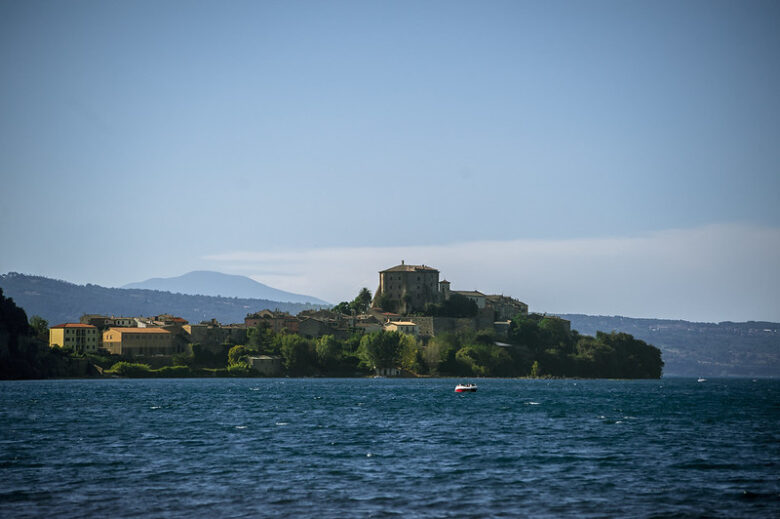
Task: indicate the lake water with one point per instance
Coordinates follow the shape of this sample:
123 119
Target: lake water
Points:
389 448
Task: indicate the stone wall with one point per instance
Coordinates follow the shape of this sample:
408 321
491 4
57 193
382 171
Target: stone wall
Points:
433 326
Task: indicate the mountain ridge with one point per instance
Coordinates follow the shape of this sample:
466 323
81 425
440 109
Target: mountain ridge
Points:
749 349
60 301
218 284
727 348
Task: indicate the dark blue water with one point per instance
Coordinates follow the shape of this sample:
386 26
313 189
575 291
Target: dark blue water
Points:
389 448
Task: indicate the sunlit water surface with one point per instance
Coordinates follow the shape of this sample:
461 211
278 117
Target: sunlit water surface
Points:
389 448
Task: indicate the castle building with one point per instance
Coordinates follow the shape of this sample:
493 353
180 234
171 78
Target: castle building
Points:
408 288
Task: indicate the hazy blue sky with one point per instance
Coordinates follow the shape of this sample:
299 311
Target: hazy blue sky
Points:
596 157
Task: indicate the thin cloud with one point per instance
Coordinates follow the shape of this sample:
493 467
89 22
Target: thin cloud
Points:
711 273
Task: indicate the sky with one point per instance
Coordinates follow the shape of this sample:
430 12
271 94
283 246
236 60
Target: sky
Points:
613 158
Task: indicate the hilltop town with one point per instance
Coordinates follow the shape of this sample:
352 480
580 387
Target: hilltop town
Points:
406 297
414 324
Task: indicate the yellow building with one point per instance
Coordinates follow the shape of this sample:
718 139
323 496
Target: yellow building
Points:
134 342
80 337
406 327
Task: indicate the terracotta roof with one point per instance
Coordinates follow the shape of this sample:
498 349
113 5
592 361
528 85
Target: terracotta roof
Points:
410 268
138 330
73 325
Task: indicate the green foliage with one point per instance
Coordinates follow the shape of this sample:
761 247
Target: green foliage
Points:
263 339
524 331
23 354
568 354
555 332
237 355
474 360
131 370
174 372
241 369
439 354
386 303
40 328
329 353
201 357
362 301
410 353
357 306
103 359
342 308
298 354
456 306
381 349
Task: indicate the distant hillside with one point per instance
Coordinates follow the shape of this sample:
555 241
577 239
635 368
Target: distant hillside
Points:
207 283
60 301
750 349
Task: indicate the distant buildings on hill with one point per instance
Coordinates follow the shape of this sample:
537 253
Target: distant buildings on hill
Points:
410 288
406 289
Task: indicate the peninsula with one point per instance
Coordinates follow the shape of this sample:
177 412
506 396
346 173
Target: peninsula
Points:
413 325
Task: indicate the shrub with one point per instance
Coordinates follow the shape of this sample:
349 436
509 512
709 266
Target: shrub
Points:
174 371
131 370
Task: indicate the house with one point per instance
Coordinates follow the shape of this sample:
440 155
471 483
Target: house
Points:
407 327
275 320
314 328
123 322
134 342
505 307
473 295
266 365
81 337
213 336
366 328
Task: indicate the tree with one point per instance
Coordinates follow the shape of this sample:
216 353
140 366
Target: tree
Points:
262 339
410 353
386 303
328 351
439 354
361 303
525 332
40 327
381 349
342 308
456 306
298 355
237 355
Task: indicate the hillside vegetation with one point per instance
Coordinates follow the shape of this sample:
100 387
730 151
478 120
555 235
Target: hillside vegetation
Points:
750 349
60 301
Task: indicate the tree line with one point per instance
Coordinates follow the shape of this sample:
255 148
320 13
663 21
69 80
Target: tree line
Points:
535 346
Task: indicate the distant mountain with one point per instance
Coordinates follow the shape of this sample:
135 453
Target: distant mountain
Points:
59 301
207 283
727 349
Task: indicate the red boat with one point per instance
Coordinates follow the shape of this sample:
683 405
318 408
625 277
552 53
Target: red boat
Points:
466 388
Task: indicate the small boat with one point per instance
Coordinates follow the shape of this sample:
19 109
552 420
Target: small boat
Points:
702 379
466 388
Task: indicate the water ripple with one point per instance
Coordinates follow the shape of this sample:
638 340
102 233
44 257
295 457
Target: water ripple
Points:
389 448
